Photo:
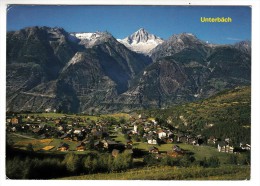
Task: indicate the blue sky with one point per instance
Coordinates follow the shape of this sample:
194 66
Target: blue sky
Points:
122 21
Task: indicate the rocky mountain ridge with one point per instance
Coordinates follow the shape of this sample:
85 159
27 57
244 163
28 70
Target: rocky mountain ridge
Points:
141 41
94 73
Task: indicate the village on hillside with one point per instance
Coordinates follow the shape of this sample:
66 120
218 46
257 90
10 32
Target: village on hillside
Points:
108 134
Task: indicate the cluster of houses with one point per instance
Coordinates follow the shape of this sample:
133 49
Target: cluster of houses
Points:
156 134
92 134
175 152
227 146
97 135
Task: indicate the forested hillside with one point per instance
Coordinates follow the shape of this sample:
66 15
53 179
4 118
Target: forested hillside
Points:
225 115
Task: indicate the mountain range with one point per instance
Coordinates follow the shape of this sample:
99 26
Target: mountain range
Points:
49 68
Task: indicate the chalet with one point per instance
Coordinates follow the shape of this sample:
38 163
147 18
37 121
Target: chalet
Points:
147 128
63 147
166 140
57 121
96 134
109 144
115 152
48 110
77 131
161 134
36 130
75 124
8 120
129 144
153 150
212 140
223 146
169 140
170 134
60 128
228 140
42 126
151 140
230 149
25 127
80 136
142 117
13 129
16 120
98 145
152 133
192 140
182 138
129 132
154 121
175 154
66 136
169 120
245 146
104 129
135 129
81 146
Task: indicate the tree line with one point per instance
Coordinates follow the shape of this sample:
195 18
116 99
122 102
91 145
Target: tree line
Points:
32 166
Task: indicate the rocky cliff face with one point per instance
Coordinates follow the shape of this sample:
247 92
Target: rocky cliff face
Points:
178 43
50 68
35 56
47 47
244 46
186 69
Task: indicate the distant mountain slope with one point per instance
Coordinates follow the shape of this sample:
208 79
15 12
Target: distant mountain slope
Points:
82 72
35 56
41 45
187 69
141 41
37 66
178 43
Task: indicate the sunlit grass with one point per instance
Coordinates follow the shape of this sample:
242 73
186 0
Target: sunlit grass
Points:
173 173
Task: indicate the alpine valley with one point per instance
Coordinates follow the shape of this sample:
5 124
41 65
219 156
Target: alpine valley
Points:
49 68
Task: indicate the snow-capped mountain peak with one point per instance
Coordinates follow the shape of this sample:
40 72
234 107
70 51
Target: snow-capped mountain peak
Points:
140 36
89 39
87 35
141 41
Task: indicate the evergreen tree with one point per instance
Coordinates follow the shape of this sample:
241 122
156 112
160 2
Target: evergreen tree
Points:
72 162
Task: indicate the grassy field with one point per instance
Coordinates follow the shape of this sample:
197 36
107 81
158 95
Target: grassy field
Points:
118 115
95 118
173 173
200 152
22 141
